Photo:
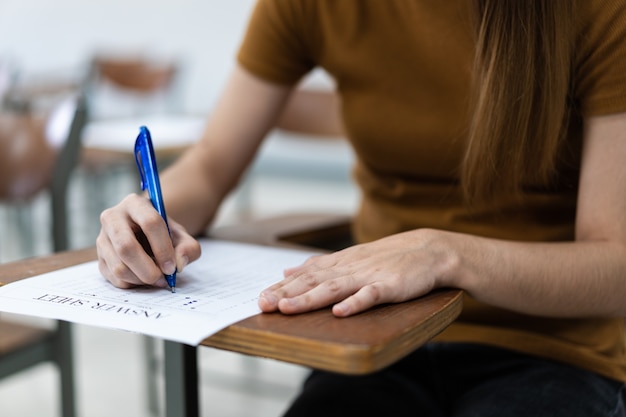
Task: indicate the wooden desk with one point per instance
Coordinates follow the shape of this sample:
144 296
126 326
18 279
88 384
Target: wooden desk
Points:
356 345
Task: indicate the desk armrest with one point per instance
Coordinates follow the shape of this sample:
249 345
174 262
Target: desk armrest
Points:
359 344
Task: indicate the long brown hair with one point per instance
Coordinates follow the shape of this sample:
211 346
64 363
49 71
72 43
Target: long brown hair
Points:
522 76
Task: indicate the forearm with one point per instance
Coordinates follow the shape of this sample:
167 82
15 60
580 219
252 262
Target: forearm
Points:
196 184
569 279
190 196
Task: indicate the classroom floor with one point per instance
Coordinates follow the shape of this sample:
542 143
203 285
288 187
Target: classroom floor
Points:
111 372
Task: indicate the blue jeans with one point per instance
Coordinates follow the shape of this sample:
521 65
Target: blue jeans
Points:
463 380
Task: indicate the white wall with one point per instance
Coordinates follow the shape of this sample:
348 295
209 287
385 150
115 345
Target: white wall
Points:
53 36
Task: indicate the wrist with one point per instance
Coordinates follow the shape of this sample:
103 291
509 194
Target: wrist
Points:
447 255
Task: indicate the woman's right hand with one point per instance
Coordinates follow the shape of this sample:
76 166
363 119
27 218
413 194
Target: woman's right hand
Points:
134 247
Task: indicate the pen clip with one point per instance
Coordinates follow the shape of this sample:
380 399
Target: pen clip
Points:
142 148
146 163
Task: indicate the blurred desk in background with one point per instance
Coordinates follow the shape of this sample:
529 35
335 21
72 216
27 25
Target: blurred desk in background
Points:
107 142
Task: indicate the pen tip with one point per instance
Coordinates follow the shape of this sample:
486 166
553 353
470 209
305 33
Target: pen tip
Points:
173 289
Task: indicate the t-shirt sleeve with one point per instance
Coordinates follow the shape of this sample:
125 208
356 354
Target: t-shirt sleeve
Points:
600 72
275 46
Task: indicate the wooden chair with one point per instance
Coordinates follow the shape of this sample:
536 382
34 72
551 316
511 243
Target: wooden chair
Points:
29 165
125 90
122 85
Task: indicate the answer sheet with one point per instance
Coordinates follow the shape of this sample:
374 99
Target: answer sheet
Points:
219 289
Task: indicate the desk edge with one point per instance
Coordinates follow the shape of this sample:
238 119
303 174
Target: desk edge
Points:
345 358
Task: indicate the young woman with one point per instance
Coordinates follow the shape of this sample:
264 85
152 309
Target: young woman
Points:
491 140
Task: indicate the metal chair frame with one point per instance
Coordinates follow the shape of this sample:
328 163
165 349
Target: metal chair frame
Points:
39 345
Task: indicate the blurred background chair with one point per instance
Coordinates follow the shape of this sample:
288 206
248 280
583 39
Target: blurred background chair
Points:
126 84
126 90
38 153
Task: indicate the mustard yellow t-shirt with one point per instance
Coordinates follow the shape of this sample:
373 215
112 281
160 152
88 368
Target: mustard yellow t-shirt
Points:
403 71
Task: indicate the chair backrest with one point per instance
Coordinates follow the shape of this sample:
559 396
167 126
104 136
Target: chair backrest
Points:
66 161
26 158
129 85
32 160
68 155
135 73
29 160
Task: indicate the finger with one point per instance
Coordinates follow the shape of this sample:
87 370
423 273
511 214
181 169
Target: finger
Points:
367 297
152 231
187 249
119 275
299 284
122 251
297 280
268 302
326 293
274 288
112 268
158 236
269 297
107 273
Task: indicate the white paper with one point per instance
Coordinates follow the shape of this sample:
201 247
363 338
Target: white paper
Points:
219 289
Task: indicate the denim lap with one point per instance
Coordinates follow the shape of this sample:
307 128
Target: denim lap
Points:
526 386
462 380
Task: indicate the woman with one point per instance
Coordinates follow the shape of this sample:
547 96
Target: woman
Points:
491 140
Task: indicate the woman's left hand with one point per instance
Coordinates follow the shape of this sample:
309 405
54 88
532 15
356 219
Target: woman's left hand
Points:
390 270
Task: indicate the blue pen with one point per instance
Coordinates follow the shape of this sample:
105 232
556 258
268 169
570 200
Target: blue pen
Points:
146 163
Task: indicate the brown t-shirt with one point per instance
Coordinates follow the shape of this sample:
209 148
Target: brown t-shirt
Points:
403 71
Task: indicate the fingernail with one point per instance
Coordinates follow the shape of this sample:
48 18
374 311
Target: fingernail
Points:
340 309
169 267
270 298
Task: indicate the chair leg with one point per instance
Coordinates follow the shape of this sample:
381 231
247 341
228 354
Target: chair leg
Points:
152 368
65 362
181 380
60 227
24 218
